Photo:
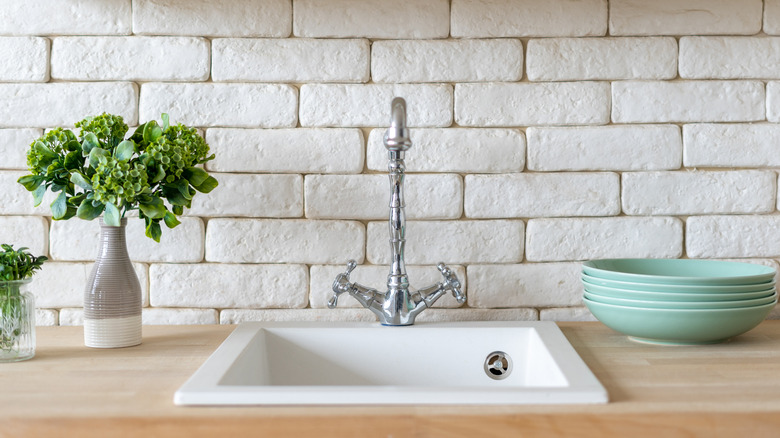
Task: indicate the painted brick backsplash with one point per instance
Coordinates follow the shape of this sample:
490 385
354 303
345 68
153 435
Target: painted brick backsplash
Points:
579 59
290 60
133 58
545 133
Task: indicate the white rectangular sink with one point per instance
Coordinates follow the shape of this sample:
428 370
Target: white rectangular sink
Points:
370 364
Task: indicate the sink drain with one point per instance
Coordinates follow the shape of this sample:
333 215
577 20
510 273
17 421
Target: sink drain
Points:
498 365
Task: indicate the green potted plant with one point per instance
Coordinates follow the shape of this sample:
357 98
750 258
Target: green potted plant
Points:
154 172
17 305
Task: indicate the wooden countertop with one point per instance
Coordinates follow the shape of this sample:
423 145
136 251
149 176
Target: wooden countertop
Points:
730 389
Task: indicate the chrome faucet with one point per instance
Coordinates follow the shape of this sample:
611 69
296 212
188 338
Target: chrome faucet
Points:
398 305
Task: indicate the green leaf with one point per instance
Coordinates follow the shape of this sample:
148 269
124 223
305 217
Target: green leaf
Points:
74 160
152 132
77 199
138 134
195 175
153 230
59 208
90 142
30 182
41 148
208 185
87 211
124 151
69 212
73 145
154 209
111 216
94 156
175 197
165 121
38 195
170 220
79 180
159 175
180 185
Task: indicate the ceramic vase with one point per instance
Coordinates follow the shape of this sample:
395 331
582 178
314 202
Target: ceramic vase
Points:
112 298
17 321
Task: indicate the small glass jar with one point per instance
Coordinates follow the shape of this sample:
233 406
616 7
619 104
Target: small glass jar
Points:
17 321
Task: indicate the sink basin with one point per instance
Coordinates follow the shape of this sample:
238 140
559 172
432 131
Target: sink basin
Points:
313 363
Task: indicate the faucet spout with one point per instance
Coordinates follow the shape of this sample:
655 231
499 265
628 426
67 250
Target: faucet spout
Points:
396 137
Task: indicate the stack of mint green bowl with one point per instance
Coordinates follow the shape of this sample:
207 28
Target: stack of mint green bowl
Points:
678 301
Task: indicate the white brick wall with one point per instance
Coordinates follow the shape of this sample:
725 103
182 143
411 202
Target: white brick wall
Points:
731 145
371 19
244 18
130 59
542 195
615 147
27 59
22 231
286 150
545 132
284 241
13 147
518 104
228 285
729 57
236 105
290 60
694 101
368 105
683 193
732 236
573 59
443 61
530 284
552 240
63 104
53 17
538 18
240 195
685 17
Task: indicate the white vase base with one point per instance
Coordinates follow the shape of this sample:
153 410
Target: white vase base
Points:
112 332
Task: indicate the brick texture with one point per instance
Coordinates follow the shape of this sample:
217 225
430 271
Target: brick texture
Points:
544 133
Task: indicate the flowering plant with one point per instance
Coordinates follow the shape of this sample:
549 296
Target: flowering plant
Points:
99 172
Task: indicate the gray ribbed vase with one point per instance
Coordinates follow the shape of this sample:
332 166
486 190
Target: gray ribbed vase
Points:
112 298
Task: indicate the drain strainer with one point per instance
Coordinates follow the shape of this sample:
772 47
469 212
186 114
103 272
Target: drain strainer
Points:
498 365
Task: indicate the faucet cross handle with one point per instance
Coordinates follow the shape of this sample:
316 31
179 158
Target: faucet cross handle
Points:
341 284
451 282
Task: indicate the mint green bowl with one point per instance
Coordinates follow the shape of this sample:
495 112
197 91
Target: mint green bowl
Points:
679 271
679 288
631 294
655 304
679 326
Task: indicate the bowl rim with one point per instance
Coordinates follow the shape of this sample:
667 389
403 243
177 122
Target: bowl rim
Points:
690 288
762 271
651 309
678 296
717 304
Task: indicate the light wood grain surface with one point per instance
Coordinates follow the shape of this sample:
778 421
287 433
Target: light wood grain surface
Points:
730 389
